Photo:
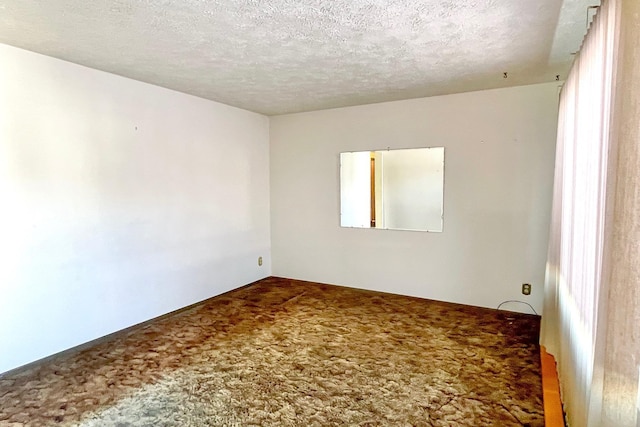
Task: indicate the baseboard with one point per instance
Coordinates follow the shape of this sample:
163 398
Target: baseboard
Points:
112 336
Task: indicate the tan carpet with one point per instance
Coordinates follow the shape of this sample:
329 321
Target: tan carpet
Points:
290 353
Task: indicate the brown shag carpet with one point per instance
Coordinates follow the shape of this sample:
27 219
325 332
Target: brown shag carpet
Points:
283 352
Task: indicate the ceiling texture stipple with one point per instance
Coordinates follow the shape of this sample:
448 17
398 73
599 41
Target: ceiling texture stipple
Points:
284 56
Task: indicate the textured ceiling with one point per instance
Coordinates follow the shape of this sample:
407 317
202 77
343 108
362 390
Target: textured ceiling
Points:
282 56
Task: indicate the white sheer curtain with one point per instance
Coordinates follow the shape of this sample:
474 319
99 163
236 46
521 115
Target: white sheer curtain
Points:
575 291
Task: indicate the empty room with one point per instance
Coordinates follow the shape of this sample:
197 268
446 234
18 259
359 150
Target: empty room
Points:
313 213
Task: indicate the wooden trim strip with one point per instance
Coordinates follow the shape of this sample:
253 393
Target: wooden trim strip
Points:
373 189
553 413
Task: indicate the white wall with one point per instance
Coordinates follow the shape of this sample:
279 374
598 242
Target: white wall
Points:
121 201
499 147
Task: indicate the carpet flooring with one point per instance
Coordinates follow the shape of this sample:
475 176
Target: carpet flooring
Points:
283 352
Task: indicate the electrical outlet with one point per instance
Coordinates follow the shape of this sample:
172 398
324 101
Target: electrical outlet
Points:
260 261
526 289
